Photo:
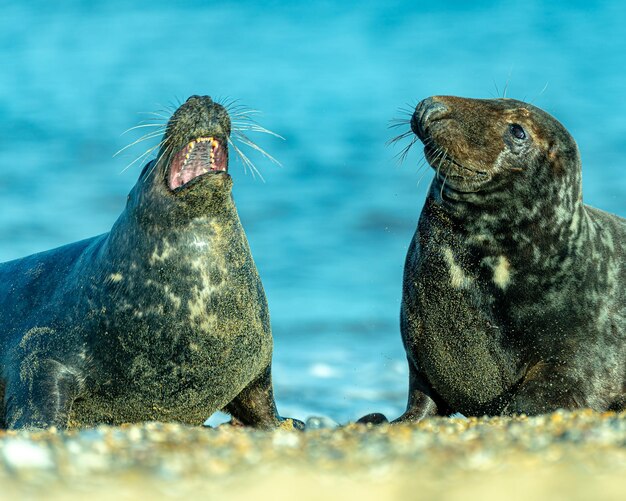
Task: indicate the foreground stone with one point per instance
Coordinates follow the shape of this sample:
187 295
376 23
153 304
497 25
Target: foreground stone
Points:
577 455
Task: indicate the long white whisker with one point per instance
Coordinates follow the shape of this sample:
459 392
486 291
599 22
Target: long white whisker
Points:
150 135
244 113
246 161
238 126
144 155
423 174
141 126
163 153
155 114
244 139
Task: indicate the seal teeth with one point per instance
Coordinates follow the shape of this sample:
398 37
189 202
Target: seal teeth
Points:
189 164
214 145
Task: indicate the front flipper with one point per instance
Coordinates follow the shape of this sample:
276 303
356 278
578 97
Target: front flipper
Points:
422 400
255 405
40 394
421 403
546 387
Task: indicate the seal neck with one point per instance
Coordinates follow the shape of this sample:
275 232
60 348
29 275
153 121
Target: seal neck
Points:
167 236
152 204
514 221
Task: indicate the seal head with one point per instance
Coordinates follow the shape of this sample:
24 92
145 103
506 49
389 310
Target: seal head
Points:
189 177
486 146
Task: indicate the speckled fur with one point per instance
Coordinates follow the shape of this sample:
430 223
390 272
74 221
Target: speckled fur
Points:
164 318
513 296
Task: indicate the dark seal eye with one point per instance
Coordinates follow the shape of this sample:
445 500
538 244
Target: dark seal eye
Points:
517 131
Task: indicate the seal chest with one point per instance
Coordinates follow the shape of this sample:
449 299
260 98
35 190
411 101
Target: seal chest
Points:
162 318
510 277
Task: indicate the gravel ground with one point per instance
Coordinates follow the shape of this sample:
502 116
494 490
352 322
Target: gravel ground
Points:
577 455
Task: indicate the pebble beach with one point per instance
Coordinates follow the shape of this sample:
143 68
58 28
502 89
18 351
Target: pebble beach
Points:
579 455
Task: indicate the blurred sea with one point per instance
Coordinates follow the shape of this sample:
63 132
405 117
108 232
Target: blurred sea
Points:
329 230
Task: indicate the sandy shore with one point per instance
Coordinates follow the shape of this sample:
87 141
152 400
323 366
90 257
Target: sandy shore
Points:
578 455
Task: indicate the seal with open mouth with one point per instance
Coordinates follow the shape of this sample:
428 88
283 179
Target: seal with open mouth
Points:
514 297
163 318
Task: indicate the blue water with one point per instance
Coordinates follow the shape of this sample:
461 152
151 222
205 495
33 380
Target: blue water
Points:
329 230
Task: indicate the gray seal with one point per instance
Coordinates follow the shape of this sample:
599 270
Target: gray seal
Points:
514 297
163 318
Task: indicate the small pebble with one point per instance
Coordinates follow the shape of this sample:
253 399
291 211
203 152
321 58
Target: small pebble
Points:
23 454
320 423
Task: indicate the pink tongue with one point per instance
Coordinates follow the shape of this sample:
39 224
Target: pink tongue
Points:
194 168
182 170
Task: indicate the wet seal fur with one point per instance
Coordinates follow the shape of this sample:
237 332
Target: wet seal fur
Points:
163 318
514 297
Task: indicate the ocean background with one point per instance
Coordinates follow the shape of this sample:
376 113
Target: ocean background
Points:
330 228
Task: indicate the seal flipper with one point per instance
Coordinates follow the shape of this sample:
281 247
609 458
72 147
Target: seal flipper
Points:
255 405
374 418
422 401
40 395
548 386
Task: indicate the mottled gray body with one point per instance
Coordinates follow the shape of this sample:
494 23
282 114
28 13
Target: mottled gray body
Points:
513 294
164 318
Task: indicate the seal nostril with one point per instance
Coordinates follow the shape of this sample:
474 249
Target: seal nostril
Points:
425 111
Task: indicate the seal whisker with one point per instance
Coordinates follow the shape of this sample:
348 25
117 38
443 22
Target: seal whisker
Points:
155 116
145 137
423 173
497 89
237 110
438 160
230 104
241 119
244 116
506 85
226 101
169 109
398 122
164 152
399 137
239 126
443 184
144 154
403 154
421 165
246 161
143 125
407 108
540 93
247 141
244 111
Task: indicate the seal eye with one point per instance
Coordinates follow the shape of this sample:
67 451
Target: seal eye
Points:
517 131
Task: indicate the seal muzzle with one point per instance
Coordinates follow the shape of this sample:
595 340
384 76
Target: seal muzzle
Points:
427 110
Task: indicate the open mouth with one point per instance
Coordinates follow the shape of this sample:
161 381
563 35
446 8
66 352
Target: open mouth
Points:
203 155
